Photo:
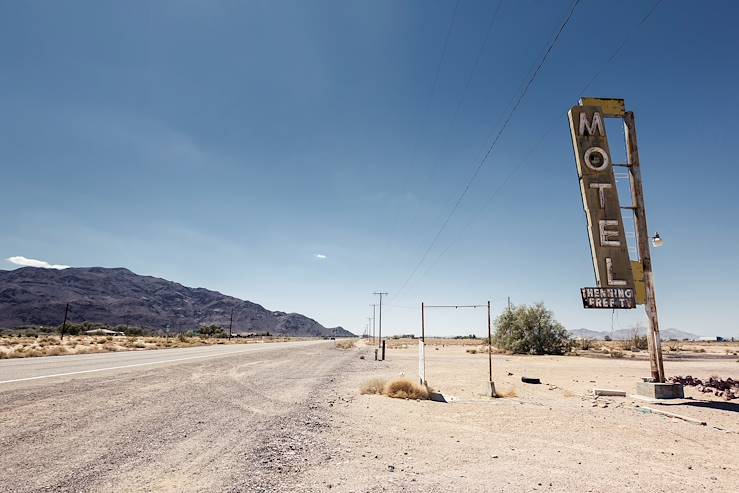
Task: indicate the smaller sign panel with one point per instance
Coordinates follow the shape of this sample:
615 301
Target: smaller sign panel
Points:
609 298
640 287
421 363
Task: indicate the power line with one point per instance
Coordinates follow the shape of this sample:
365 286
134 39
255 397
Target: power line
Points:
466 87
434 85
466 189
534 148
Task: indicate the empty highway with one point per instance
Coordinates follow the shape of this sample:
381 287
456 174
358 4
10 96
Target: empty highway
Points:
218 418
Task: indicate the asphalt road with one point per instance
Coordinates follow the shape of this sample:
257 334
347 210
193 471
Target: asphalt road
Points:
221 418
14 371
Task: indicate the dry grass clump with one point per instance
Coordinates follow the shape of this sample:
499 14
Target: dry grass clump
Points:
372 386
345 344
399 388
402 388
506 393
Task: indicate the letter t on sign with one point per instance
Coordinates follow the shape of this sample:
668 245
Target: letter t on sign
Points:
601 192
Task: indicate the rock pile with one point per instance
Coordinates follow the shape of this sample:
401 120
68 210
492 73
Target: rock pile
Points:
726 388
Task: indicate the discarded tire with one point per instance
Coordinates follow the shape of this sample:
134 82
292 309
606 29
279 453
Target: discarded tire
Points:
530 380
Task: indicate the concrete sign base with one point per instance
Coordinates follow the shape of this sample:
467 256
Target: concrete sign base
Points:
654 390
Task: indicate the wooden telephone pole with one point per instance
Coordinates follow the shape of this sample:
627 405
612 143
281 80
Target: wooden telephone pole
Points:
379 333
64 324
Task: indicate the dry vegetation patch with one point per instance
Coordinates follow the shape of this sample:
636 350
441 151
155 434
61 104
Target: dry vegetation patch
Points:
50 345
399 388
346 344
372 386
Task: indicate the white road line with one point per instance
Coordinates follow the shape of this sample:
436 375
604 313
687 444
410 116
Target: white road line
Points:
250 350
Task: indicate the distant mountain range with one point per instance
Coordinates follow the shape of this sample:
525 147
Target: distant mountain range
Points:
623 334
36 296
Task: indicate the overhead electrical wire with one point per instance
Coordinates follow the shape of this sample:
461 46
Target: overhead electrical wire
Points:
432 93
466 87
525 161
495 141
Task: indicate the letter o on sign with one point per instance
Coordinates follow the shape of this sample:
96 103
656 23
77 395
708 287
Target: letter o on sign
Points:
596 159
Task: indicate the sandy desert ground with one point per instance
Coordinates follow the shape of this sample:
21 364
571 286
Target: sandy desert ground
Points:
290 418
552 437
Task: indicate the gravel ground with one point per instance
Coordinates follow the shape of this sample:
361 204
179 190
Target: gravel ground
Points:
549 437
251 422
292 420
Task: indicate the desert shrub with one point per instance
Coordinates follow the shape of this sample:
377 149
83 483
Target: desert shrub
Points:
674 346
615 353
640 342
506 393
531 330
584 344
134 331
372 386
56 351
347 344
403 388
212 331
472 351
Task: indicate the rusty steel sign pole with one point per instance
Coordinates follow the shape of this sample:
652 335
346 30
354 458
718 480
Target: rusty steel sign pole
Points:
621 282
642 234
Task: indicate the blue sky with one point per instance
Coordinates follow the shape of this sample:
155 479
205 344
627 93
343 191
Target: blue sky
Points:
229 144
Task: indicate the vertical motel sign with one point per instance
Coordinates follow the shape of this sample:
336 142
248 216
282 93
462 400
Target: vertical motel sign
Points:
613 274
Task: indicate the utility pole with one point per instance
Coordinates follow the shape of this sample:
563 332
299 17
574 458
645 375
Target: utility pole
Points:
642 234
64 324
509 303
230 324
374 307
369 324
379 334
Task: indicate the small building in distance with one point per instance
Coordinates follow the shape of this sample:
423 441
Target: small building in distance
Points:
103 332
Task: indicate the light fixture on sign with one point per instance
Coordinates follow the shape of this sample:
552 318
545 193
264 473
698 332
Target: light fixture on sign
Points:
657 241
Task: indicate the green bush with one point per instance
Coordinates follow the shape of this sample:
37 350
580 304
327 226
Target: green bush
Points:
212 331
531 330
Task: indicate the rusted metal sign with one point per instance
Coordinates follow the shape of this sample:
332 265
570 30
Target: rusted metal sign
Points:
608 245
608 298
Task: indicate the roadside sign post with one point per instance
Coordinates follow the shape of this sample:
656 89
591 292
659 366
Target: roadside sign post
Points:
621 282
642 234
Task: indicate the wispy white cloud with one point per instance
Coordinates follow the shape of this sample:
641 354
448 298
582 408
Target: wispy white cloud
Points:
32 262
319 255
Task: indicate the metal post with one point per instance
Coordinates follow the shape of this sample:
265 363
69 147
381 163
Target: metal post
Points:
642 234
383 350
423 325
490 346
64 324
